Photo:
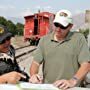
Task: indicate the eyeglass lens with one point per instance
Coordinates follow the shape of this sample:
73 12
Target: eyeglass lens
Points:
59 25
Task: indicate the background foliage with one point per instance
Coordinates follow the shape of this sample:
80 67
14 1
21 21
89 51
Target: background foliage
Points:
85 32
16 29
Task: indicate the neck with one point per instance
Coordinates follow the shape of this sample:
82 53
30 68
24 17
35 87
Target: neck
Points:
58 38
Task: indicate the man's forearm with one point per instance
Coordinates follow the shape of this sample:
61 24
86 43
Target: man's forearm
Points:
83 70
34 68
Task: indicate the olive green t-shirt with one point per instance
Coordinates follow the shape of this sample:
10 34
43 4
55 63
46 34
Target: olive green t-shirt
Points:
61 60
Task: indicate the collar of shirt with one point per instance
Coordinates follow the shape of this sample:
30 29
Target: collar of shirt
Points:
68 37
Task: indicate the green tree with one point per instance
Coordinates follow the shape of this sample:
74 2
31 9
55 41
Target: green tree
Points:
3 21
85 32
20 28
12 27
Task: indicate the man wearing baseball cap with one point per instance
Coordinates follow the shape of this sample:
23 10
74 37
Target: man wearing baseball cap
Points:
5 37
65 55
9 69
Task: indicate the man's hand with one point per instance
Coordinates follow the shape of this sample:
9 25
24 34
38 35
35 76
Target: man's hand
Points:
65 84
36 79
13 77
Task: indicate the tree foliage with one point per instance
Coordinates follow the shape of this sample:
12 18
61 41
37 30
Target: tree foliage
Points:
12 27
15 29
85 32
20 27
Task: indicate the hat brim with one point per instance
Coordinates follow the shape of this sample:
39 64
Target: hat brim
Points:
5 36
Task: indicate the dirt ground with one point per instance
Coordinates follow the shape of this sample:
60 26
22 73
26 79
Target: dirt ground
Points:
18 41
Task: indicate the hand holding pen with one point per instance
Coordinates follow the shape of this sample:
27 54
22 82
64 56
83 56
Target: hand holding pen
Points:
36 79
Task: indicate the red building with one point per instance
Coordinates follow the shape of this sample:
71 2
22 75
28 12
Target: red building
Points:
37 25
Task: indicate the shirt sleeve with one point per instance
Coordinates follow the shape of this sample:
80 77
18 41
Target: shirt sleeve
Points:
38 53
84 53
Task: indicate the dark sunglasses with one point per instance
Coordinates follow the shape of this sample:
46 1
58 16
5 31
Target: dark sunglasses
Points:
61 26
6 39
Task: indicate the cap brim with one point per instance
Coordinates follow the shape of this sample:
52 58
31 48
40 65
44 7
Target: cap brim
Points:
5 36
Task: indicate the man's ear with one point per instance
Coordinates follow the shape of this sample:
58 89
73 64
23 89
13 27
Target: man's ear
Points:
71 25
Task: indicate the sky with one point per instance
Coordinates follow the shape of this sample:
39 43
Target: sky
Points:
21 8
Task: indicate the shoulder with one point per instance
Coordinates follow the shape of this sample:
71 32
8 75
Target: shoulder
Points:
44 39
47 37
78 35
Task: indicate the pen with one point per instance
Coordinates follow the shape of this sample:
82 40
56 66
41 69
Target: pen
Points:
37 78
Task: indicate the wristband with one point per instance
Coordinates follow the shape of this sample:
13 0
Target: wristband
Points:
75 78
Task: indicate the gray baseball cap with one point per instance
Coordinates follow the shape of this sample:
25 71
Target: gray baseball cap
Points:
4 33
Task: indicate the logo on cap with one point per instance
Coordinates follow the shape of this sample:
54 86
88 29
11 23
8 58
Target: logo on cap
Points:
63 14
1 30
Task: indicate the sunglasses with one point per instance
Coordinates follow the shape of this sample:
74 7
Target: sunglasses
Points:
6 39
61 26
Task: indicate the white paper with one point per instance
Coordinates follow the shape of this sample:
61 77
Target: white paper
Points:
8 87
79 88
29 86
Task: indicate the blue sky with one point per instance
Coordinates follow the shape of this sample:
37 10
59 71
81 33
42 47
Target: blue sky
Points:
20 8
